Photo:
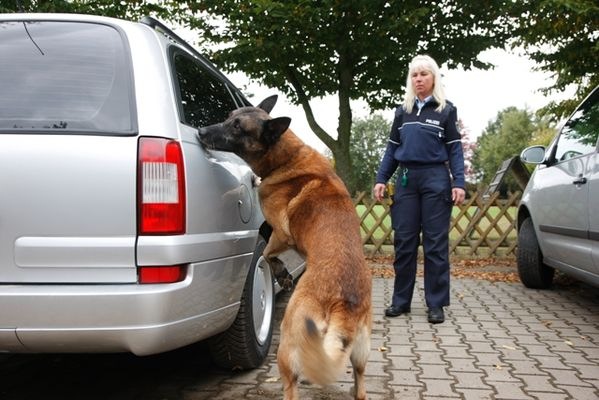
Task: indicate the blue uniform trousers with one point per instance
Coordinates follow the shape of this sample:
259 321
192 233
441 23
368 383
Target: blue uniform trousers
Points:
423 205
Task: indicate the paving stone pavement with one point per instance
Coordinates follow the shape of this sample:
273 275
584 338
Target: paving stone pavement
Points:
499 341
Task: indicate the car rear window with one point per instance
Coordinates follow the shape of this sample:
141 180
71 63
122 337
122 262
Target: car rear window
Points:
66 76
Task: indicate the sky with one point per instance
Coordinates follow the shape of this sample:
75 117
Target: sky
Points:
478 95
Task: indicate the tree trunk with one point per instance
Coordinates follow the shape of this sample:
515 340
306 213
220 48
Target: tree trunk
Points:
343 161
343 167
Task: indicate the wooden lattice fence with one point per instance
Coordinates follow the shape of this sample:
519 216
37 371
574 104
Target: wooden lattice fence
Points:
479 227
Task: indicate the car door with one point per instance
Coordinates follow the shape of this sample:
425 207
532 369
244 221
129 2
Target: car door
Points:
593 177
594 208
564 194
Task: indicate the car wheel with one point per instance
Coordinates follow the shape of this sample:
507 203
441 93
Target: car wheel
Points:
533 273
246 343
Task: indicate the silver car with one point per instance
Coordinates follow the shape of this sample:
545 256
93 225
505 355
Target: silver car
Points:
118 231
558 217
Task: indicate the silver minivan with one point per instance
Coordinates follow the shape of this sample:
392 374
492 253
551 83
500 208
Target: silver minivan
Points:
118 231
558 216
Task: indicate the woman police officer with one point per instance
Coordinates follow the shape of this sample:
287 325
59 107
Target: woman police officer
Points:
425 145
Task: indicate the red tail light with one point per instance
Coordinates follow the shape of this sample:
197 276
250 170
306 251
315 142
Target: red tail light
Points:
161 190
170 274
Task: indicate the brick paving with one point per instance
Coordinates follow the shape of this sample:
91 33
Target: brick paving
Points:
499 341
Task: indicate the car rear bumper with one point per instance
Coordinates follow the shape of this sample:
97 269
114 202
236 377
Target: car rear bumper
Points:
142 319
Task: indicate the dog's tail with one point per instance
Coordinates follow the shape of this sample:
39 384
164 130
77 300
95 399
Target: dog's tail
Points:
323 356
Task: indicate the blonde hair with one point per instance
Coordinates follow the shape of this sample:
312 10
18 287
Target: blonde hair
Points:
419 63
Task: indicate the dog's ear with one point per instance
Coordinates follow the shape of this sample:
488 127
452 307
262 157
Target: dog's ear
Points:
274 128
268 103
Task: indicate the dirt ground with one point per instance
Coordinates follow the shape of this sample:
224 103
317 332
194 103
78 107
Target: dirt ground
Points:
502 269
491 269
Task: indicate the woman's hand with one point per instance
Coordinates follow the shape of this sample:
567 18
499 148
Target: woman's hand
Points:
379 191
458 195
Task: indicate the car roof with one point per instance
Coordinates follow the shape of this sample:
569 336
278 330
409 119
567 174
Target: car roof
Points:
63 17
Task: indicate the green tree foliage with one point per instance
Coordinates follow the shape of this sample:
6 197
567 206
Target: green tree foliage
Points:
543 134
562 36
369 140
506 137
353 49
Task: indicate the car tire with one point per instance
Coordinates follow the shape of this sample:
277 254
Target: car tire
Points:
533 273
246 343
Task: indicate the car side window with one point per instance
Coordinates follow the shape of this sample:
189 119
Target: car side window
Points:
203 98
579 135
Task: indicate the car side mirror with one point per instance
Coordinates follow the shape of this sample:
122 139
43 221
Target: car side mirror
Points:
533 155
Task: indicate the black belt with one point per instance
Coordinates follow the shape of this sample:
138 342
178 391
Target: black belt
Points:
421 165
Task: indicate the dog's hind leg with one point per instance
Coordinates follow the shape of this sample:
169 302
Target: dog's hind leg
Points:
274 247
289 376
359 358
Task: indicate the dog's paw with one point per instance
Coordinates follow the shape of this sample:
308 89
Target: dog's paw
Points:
283 277
286 282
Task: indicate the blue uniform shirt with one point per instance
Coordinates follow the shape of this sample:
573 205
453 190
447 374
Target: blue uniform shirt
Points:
424 136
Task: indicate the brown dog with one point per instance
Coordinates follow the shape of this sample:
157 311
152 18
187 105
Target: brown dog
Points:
328 318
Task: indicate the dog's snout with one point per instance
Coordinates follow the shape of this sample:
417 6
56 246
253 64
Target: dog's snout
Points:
205 137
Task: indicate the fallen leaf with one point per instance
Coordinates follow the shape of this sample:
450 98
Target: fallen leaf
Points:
272 379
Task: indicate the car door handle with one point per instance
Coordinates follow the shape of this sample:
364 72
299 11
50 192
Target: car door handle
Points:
580 181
